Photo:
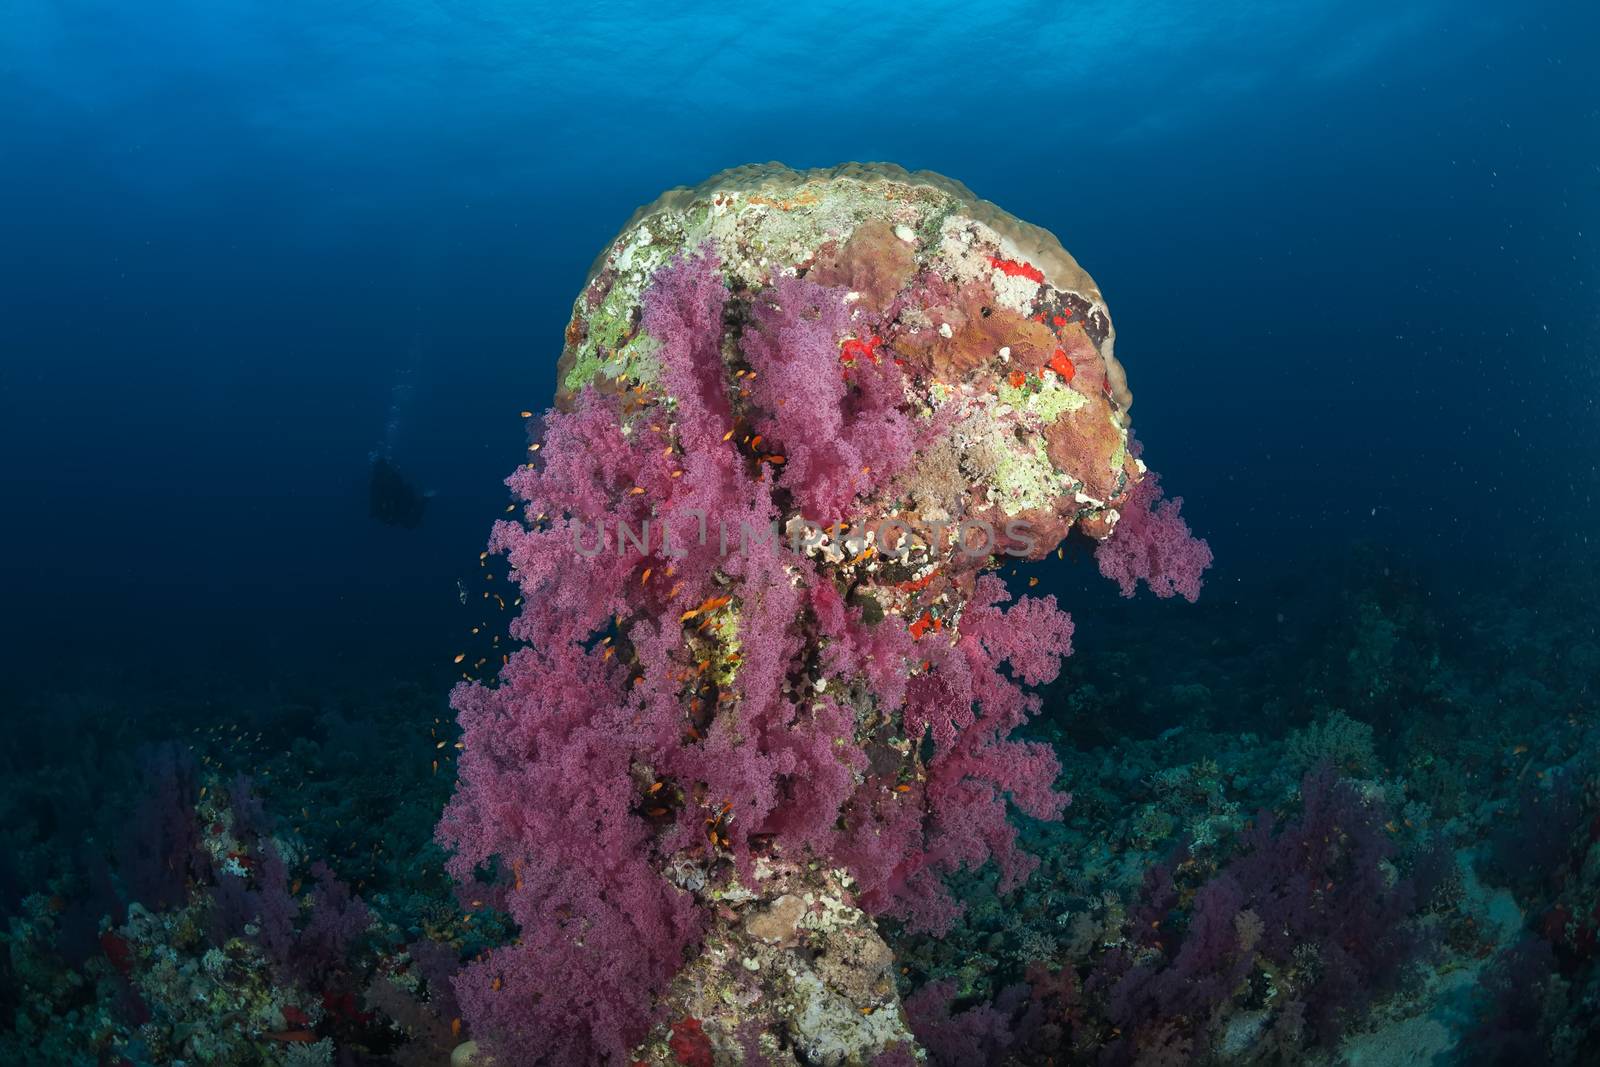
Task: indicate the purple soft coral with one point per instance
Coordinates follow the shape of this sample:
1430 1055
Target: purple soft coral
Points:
559 757
1152 544
1316 888
828 397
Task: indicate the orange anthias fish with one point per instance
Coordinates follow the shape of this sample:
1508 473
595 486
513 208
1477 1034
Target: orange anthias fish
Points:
711 604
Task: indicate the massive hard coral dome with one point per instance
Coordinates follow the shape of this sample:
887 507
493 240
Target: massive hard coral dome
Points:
768 691
1003 341
790 215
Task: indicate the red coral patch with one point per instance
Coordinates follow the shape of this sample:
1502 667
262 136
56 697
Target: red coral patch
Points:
690 1045
1013 269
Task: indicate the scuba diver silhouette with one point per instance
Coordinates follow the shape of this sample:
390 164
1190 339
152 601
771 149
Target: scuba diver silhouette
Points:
392 500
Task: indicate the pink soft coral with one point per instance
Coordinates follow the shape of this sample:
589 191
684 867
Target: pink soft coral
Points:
1152 544
622 731
830 400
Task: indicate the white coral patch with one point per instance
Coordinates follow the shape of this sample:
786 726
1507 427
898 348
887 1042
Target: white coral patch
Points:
1013 292
641 240
962 263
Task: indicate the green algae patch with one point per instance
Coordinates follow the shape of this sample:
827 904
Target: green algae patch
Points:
1045 399
614 347
1021 476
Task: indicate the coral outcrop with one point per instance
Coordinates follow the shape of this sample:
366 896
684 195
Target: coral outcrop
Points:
767 685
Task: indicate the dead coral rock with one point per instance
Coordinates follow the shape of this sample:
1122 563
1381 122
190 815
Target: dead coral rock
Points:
1089 373
873 262
829 1032
968 333
856 964
776 925
799 970
1080 443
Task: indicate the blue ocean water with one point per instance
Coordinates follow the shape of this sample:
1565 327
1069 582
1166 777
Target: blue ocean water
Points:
1349 247
1346 247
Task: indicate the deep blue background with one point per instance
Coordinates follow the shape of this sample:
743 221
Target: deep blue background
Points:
1350 250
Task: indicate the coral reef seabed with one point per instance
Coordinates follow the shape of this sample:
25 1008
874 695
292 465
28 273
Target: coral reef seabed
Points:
770 758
